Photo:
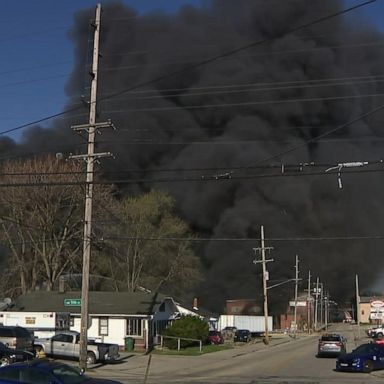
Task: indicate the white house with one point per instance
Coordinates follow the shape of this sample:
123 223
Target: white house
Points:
114 316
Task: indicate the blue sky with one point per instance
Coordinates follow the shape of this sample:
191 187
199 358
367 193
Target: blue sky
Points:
38 55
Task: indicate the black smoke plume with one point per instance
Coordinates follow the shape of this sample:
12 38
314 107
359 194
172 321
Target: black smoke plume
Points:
223 117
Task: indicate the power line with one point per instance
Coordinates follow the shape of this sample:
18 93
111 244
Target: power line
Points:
269 53
255 87
283 167
246 239
31 68
201 63
244 104
227 176
268 85
221 142
53 77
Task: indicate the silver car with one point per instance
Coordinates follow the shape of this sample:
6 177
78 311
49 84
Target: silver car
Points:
331 344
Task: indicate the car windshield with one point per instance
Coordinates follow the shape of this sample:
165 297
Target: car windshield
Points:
69 375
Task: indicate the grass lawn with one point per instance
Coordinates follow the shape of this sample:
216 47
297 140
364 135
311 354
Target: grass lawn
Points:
192 351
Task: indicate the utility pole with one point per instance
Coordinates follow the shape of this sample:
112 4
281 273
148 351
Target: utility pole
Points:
326 310
296 287
316 302
357 307
321 305
309 303
263 261
89 158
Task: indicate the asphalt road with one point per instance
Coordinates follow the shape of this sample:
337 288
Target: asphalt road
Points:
285 360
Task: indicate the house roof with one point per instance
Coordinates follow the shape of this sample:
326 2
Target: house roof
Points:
100 302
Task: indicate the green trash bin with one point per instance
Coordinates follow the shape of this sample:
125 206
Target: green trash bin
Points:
129 343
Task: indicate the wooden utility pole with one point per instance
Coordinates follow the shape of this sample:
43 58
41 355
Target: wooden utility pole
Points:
309 303
316 302
89 158
321 305
263 261
357 307
296 288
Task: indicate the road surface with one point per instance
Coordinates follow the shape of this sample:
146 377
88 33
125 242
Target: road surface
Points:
286 360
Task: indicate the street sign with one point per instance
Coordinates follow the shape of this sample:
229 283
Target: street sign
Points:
298 303
72 302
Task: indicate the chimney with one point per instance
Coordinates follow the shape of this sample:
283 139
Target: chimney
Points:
61 284
195 307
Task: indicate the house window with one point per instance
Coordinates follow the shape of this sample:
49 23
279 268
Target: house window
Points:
134 326
103 326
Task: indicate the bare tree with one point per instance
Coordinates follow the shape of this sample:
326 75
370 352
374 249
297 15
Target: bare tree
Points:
40 220
150 245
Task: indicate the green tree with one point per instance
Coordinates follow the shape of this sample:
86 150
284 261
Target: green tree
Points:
190 327
149 245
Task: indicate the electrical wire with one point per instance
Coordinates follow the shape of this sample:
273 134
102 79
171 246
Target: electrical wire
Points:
230 88
270 53
285 167
244 104
53 77
227 176
247 239
201 63
252 88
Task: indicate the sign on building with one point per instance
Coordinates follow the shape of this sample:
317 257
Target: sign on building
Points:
377 310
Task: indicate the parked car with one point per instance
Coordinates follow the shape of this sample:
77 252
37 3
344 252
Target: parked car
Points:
377 332
243 335
44 371
16 337
365 358
215 337
331 344
229 329
11 355
67 345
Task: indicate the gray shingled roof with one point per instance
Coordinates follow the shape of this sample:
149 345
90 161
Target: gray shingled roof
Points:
131 303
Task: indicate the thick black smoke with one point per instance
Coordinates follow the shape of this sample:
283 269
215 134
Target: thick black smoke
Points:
235 112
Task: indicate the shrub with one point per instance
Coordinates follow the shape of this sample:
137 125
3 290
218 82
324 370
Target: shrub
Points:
190 327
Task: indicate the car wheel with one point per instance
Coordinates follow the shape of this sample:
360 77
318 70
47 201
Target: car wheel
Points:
4 361
91 358
368 366
380 335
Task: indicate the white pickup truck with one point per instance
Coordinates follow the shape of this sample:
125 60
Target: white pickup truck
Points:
376 332
66 344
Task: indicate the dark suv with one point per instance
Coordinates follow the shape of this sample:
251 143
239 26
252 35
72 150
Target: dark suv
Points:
243 335
16 337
